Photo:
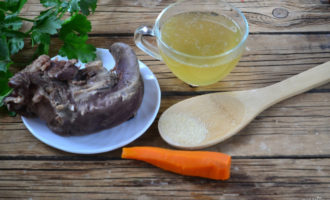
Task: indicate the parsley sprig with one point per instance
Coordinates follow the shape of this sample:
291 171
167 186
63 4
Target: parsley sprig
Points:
72 30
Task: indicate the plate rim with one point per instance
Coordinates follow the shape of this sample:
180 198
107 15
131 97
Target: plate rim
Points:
114 147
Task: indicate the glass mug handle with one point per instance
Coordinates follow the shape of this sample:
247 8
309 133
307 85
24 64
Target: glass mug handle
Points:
144 45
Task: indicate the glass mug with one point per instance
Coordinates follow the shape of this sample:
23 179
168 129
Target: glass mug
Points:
200 41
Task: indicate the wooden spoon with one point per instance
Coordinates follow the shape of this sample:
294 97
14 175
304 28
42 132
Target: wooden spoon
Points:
206 120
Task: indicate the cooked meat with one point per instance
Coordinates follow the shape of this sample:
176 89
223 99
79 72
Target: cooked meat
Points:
76 101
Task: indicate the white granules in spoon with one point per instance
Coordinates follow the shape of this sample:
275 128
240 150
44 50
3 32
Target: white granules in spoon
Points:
183 129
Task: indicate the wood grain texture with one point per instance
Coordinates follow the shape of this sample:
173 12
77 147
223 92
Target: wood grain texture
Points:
279 131
123 179
267 60
299 126
283 154
124 16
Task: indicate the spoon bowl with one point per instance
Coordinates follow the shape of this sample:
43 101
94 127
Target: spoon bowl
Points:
206 120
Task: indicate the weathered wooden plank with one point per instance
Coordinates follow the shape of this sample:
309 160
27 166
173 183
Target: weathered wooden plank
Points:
125 16
283 154
295 127
269 59
118 179
299 126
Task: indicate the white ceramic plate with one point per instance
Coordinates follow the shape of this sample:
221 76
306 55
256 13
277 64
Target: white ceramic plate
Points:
108 139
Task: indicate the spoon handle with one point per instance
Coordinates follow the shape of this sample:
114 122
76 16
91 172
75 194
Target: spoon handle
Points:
297 84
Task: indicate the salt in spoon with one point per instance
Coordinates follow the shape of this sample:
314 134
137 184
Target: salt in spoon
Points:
206 120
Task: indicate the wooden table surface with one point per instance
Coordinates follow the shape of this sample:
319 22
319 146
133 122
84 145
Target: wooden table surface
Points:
283 154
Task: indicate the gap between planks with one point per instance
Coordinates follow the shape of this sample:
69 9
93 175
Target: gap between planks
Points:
105 158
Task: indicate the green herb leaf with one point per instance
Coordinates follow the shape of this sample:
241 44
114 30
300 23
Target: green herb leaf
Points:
12 33
4 88
76 47
4 65
73 32
3 5
15 6
77 23
2 18
13 21
5 61
4 51
4 92
48 24
50 3
38 37
15 44
74 6
44 14
43 48
87 5
43 41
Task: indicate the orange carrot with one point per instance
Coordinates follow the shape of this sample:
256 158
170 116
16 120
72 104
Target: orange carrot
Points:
205 164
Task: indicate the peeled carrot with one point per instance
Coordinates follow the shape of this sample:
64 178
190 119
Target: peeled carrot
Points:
205 164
